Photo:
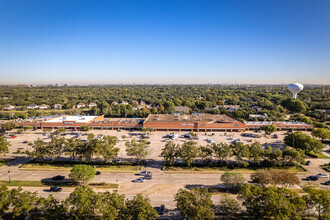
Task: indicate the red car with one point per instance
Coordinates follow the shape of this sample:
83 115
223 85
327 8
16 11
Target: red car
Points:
13 136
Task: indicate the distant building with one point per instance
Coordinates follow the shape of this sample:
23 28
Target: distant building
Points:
326 111
183 109
258 115
124 103
212 108
92 104
43 107
142 103
8 107
114 103
19 108
32 106
57 106
231 107
81 105
5 98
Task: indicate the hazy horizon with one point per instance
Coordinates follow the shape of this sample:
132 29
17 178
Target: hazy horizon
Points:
164 42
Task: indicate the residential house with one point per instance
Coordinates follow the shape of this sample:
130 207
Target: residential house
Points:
114 103
57 106
43 107
8 107
92 104
231 107
32 106
124 103
81 105
258 116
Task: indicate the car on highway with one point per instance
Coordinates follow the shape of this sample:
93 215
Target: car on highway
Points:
98 173
311 178
55 189
322 175
148 177
308 163
139 180
144 173
327 183
58 177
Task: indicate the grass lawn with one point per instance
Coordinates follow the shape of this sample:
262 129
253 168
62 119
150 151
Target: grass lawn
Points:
53 183
68 167
318 155
210 170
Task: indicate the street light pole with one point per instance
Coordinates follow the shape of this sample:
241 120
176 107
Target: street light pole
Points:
9 176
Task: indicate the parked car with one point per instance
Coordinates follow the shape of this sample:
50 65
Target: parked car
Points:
148 177
55 189
98 173
139 180
312 178
162 210
118 160
144 173
327 183
58 177
13 136
322 175
308 163
275 136
196 138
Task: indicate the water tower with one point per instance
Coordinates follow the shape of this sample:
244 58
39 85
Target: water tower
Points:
295 88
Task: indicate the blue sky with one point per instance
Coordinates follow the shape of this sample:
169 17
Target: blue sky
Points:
158 41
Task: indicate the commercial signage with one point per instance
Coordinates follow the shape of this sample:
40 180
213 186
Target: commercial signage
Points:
186 124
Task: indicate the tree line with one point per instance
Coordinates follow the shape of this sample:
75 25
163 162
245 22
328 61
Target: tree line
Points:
244 154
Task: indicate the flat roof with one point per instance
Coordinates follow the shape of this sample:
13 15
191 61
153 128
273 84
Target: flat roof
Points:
78 119
275 122
189 118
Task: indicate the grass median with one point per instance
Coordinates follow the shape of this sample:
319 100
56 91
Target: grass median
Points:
119 168
19 183
212 170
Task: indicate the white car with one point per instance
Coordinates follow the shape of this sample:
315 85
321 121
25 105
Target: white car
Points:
322 175
144 173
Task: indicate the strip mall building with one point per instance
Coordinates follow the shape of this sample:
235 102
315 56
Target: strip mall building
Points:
162 122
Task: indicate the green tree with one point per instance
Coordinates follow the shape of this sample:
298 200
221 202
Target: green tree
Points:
137 149
222 151
109 204
72 147
8 126
205 152
292 155
240 151
232 180
85 128
52 208
320 200
271 202
4 144
256 152
83 202
107 148
5 200
23 202
195 204
229 206
322 133
170 152
188 152
41 149
139 208
268 128
82 173
273 156
275 177
303 141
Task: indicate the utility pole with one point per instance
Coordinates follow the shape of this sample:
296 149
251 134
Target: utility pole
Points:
9 176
